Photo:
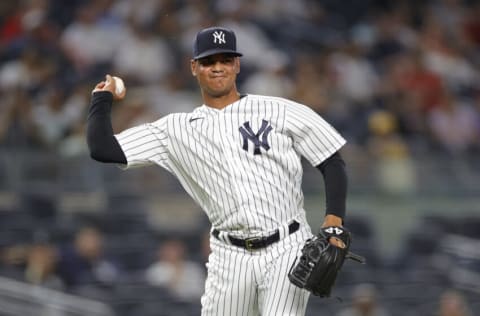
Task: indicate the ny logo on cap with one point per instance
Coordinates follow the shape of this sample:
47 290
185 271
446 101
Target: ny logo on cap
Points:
219 37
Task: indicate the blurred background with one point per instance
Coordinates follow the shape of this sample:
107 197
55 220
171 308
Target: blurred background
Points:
399 79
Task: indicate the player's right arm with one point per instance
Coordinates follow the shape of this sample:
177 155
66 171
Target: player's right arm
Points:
102 144
137 146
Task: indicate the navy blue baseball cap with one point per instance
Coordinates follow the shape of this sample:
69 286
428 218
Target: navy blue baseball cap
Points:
215 40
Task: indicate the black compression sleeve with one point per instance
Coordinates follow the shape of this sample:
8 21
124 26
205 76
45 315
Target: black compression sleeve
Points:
102 144
335 177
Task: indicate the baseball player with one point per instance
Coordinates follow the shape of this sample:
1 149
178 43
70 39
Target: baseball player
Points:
239 157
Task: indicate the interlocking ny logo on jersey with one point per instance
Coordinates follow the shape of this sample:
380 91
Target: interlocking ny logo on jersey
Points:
219 37
258 139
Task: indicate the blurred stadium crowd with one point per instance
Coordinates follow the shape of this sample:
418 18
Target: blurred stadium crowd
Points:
400 79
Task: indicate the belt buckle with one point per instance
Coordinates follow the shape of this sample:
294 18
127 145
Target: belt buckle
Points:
249 242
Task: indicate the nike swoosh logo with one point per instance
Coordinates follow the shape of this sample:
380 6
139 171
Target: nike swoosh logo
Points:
194 119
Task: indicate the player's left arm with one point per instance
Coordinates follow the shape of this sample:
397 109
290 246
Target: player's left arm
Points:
336 182
317 267
319 142
335 178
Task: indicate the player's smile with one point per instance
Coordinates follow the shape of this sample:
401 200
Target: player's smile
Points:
218 80
218 77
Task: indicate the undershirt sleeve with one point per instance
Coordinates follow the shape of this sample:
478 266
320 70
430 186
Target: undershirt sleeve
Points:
335 178
102 144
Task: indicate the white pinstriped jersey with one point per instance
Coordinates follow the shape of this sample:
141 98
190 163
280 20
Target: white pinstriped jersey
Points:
241 164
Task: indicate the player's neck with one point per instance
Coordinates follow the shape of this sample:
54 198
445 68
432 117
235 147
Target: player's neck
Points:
220 102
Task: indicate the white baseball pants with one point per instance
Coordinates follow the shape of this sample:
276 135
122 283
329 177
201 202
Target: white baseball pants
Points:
254 283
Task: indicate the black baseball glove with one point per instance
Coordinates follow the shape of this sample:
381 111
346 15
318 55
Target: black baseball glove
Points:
317 267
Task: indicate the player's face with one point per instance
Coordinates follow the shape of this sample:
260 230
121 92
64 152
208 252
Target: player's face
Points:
216 74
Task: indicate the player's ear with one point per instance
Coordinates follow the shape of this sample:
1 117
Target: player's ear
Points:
193 67
237 65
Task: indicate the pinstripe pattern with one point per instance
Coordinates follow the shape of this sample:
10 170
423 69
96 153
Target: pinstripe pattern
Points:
245 191
242 193
254 283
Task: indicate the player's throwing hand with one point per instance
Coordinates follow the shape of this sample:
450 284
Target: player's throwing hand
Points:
112 84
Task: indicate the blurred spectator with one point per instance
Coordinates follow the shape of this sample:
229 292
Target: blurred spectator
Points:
444 56
33 262
388 40
452 303
395 170
40 267
453 125
171 95
10 26
260 51
88 44
73 143
55 114
12 260
408 75
192 14
143 57
29 72
355 77
274 10
365 303
450 14
313 82
272 79
84 263
471 26
17 129
172 270
127 9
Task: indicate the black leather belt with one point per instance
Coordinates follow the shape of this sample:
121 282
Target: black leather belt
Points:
258 242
